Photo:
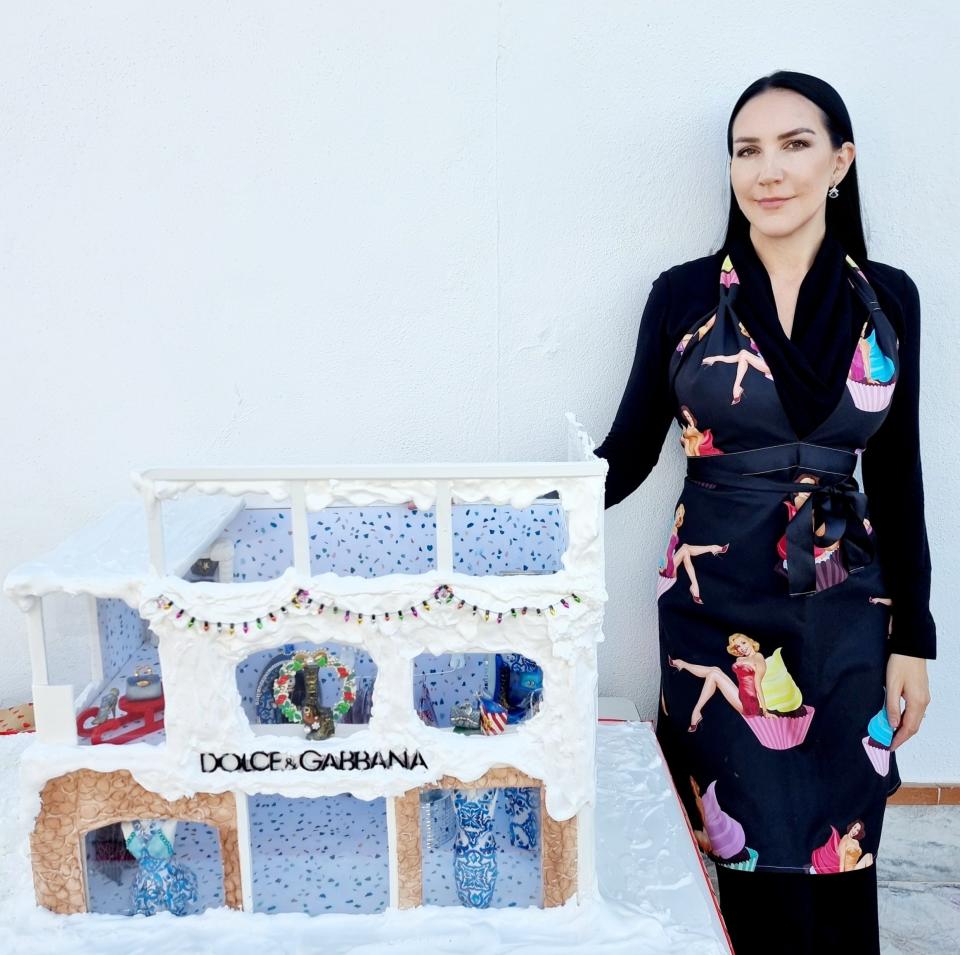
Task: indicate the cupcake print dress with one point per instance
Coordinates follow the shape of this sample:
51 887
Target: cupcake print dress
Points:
772 635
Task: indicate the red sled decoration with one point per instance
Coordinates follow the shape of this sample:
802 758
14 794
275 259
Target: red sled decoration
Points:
150 712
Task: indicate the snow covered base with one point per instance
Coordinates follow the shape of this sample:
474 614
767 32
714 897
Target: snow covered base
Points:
654 896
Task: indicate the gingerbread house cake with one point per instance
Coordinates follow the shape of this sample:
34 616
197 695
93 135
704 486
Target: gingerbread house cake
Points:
329 689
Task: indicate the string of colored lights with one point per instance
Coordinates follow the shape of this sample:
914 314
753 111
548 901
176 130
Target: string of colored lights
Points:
302 600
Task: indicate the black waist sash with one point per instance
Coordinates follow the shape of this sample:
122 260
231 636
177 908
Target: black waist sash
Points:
834 502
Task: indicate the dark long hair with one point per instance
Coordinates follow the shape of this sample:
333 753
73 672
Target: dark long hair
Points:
844 219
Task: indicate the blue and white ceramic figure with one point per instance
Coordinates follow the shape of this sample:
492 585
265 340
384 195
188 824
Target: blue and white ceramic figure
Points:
161 885
523 816
519 685
475 848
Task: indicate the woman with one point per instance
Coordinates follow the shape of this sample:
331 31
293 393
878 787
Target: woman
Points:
793 269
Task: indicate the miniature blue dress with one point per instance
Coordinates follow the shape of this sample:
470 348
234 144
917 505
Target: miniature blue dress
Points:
160 884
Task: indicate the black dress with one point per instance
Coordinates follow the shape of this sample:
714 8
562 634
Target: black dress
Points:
774 601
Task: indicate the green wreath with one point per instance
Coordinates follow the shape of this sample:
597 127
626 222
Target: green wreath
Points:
283 684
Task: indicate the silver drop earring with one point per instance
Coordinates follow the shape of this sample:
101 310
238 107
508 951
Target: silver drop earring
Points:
833 192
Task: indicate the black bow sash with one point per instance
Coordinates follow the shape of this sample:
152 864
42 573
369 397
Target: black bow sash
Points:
840 508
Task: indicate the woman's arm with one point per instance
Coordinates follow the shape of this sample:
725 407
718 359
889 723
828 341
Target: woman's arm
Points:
633 445
893 481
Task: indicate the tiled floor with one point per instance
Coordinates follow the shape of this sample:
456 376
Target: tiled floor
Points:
918 869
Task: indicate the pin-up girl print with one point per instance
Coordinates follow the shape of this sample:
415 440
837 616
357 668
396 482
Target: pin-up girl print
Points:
841 853
701 836
699 333
828 563
886 601
678 555
696 443
743 359
851 854
764 694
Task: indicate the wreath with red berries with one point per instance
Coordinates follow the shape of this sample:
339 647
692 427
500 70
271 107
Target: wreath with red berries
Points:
283 684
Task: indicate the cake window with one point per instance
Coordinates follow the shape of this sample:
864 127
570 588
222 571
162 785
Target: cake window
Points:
496 539
372 541
147 866
262 543
368 541
481 847
289 688
476 692
319 855
127 705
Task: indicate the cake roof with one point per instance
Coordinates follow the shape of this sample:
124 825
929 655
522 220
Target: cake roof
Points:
109 557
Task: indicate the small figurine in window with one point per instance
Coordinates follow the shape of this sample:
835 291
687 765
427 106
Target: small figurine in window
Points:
108 707
318 722
161 885
465 716
144 684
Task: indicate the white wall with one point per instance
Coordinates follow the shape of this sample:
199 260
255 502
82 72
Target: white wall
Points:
348 232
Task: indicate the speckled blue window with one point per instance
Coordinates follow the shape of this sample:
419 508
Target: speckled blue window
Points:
121 635
327 854
375 541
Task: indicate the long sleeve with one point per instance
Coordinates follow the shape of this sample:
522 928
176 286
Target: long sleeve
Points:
632 447
893 481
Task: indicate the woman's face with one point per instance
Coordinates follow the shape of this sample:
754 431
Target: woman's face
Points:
742 648
855 830
781 150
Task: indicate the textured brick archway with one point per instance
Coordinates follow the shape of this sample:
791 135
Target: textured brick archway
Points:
77 803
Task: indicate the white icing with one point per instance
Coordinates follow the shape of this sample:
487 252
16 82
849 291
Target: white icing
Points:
580 446
204 713
109 558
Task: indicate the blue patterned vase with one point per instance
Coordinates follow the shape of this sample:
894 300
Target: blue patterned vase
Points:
519 686
523 816
475 848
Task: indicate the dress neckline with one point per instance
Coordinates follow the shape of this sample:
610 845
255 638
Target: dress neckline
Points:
810 365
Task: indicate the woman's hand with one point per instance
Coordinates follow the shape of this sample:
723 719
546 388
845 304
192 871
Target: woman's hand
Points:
907 678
